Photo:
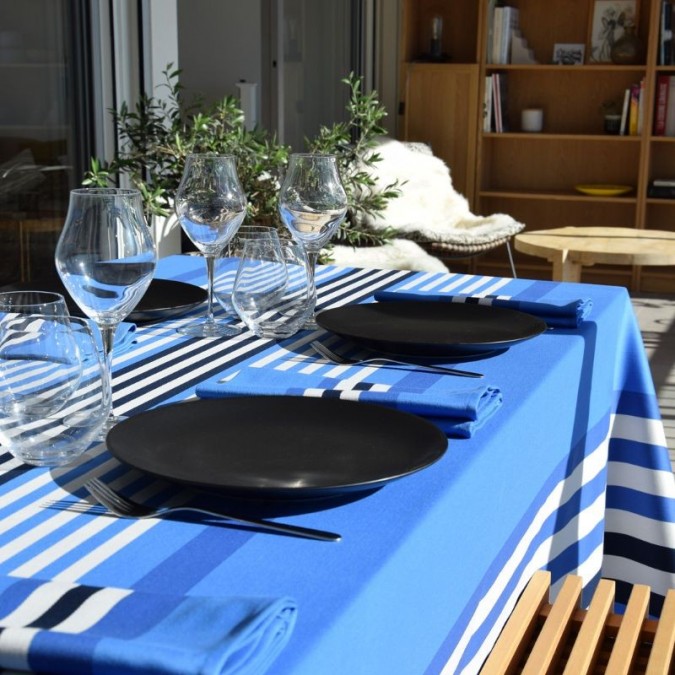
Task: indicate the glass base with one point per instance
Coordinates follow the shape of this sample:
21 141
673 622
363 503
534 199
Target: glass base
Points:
310 324
209 329
109 424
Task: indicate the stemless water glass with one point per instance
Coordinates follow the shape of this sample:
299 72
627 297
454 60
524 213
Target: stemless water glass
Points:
312 204
272 291
106 258
226 265
33 302
210 204
54 392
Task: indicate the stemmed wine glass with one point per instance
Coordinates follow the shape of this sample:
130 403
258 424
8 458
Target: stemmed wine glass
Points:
312 204
106 258
211 205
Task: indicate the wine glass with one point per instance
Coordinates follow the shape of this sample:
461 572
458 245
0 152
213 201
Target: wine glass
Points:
211 205
106 258
312 204
54 393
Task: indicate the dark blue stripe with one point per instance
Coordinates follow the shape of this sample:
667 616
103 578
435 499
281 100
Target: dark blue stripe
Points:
66 605
624 546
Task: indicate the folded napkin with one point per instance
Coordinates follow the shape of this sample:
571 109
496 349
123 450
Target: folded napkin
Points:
125 337
458 408
65 628
568 315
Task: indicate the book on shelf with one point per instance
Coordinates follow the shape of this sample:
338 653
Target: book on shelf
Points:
624 113
664 106
661 105
500 114
666 56
487 106
505 21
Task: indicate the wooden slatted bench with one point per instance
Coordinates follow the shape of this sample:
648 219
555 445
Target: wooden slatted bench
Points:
563 638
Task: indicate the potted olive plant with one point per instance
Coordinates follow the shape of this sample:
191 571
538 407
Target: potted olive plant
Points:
158 134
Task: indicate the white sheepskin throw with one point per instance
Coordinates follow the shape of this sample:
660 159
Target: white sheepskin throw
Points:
398 254
428 208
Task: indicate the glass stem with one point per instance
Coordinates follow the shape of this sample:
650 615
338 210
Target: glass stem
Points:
108 337
312 259
210 264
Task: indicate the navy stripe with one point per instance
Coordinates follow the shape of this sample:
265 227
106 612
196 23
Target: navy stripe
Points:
651 555
66 605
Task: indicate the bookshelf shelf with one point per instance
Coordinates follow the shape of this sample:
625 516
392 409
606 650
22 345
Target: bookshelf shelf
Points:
531 176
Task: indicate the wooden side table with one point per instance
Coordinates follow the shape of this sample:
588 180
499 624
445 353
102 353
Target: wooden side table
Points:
570 248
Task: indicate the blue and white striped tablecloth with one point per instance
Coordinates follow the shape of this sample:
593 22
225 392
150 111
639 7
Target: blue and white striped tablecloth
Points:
572 474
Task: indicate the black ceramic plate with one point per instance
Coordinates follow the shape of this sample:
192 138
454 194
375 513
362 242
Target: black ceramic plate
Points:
164 298
430 329
277 446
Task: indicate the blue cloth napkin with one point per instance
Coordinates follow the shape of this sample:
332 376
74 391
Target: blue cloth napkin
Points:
455 406
64 628
125 337
568 315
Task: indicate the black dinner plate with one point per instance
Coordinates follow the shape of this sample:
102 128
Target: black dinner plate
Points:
278 447
430 329
164 299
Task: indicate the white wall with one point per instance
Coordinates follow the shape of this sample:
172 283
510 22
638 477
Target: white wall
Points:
219 45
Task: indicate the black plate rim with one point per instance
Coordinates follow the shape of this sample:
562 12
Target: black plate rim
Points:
431 349
276 492
139 313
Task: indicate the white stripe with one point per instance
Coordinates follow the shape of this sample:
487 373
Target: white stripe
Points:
623 569
102 553
421 279
584 473
492 290
457 282
649 481
35 605
477 284
586 570
14 646
639 429
92 610
645 529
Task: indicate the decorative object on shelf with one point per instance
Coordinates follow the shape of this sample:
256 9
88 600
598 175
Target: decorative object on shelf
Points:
568 53
603 190
610 18
532 120
627 50
436 46
612 111
520 51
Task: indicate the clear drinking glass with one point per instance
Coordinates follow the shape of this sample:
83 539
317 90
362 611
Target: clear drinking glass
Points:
210 204
54 391
33 302
226 268
106 258
273 293
312 204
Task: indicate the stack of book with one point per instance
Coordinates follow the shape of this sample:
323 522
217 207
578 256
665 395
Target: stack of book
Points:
632 116
495 109
502 27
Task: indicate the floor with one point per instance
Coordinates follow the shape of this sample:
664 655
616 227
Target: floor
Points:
656 317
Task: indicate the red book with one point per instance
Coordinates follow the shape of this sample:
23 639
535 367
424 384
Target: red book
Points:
661 107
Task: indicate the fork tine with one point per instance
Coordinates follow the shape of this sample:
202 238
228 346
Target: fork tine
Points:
327 353
106 496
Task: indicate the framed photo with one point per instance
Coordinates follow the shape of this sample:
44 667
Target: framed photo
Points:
609 20
568 54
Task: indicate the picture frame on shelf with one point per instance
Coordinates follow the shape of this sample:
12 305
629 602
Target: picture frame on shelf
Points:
568 53
608 24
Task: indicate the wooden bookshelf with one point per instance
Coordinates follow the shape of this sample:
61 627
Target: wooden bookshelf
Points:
531 176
